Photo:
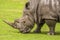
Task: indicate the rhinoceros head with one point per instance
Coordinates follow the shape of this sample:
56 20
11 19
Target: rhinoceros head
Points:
20 25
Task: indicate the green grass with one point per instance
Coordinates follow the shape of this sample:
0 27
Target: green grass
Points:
11 10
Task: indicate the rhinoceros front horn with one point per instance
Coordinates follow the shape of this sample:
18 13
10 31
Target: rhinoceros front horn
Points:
9 23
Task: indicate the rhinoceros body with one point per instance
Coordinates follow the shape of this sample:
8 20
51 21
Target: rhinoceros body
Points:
39 12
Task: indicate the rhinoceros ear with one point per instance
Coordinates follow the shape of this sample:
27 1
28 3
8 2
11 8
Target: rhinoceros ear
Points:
9 23
27 5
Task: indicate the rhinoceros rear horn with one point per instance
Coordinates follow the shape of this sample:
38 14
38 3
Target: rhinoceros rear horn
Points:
9 23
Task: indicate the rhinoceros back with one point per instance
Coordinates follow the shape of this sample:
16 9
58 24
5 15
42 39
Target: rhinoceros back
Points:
49 9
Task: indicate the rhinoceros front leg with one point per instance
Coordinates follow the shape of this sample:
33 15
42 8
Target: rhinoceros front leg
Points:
39 26
51 24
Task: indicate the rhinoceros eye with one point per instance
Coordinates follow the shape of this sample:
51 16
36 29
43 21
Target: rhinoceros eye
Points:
24 21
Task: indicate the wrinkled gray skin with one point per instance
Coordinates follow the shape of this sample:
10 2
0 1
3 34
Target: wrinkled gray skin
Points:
39 12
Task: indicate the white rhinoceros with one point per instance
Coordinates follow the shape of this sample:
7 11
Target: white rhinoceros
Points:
39 12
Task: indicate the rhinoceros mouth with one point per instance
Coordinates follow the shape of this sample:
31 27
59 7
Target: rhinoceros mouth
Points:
25 30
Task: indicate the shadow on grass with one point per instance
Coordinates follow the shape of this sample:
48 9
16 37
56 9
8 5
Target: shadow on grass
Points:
34 33
57 33
45 33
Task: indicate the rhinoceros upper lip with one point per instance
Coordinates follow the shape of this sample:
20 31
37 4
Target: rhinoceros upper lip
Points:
26 30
